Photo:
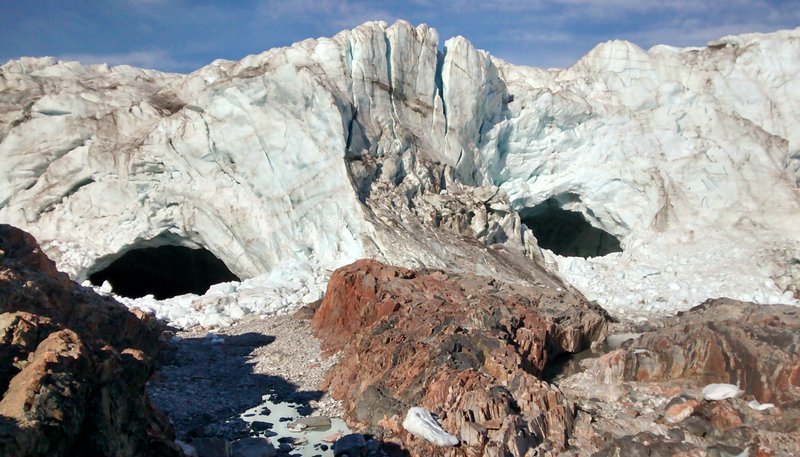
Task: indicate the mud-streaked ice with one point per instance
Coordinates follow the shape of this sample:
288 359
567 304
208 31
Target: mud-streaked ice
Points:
300 159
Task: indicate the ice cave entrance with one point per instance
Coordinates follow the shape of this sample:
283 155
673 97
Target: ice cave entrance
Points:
567 233
164 272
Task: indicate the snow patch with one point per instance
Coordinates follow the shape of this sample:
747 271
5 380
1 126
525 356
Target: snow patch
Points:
716 392
421 424
754 404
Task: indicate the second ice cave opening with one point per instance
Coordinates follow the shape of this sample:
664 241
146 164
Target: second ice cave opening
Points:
567 233
164 272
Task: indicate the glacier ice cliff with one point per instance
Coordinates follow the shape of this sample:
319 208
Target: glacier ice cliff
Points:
378 143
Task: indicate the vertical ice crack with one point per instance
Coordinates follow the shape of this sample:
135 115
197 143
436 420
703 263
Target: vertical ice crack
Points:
350 63
353 98
391 85
439 83
349 138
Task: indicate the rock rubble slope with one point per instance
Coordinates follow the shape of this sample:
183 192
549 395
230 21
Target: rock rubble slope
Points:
722 377
379 143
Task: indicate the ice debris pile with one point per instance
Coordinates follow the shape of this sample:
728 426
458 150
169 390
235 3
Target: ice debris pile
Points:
280 291
371 144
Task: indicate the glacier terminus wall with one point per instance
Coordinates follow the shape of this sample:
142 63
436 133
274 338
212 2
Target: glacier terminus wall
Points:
383 142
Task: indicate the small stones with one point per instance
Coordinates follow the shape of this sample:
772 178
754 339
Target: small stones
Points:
721 450
352 445
632 412
296 427
332 437
260 426
253 356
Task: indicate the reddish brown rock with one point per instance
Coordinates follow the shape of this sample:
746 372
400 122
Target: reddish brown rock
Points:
721 341
681 410
73 365
30 282
722 415
470 349
661 374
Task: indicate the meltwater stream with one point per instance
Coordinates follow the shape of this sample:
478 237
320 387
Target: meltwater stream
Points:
272 419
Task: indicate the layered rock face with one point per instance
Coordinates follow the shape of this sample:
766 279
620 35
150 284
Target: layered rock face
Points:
471 349
73 365
370 143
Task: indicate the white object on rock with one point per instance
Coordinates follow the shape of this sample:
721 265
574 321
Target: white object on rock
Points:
421 424
715 392
754 404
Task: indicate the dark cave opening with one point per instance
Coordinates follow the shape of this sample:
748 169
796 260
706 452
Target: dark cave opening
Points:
567 233
164 272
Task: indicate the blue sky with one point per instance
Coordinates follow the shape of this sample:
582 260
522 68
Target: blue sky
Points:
182 35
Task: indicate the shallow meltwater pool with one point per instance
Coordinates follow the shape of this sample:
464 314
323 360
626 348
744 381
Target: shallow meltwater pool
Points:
278 422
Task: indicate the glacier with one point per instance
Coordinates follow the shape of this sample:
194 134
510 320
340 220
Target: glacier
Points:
378 143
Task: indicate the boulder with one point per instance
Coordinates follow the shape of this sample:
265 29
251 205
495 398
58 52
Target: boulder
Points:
470 349
73 365
352 445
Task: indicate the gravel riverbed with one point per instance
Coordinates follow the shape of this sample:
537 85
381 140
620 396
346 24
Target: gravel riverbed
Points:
215 375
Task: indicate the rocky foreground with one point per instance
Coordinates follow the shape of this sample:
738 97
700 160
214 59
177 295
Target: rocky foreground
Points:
73 365
509 370
483 356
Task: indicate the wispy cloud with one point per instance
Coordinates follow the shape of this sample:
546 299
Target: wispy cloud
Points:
179 35
336 13
712 22
540 36
155 59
